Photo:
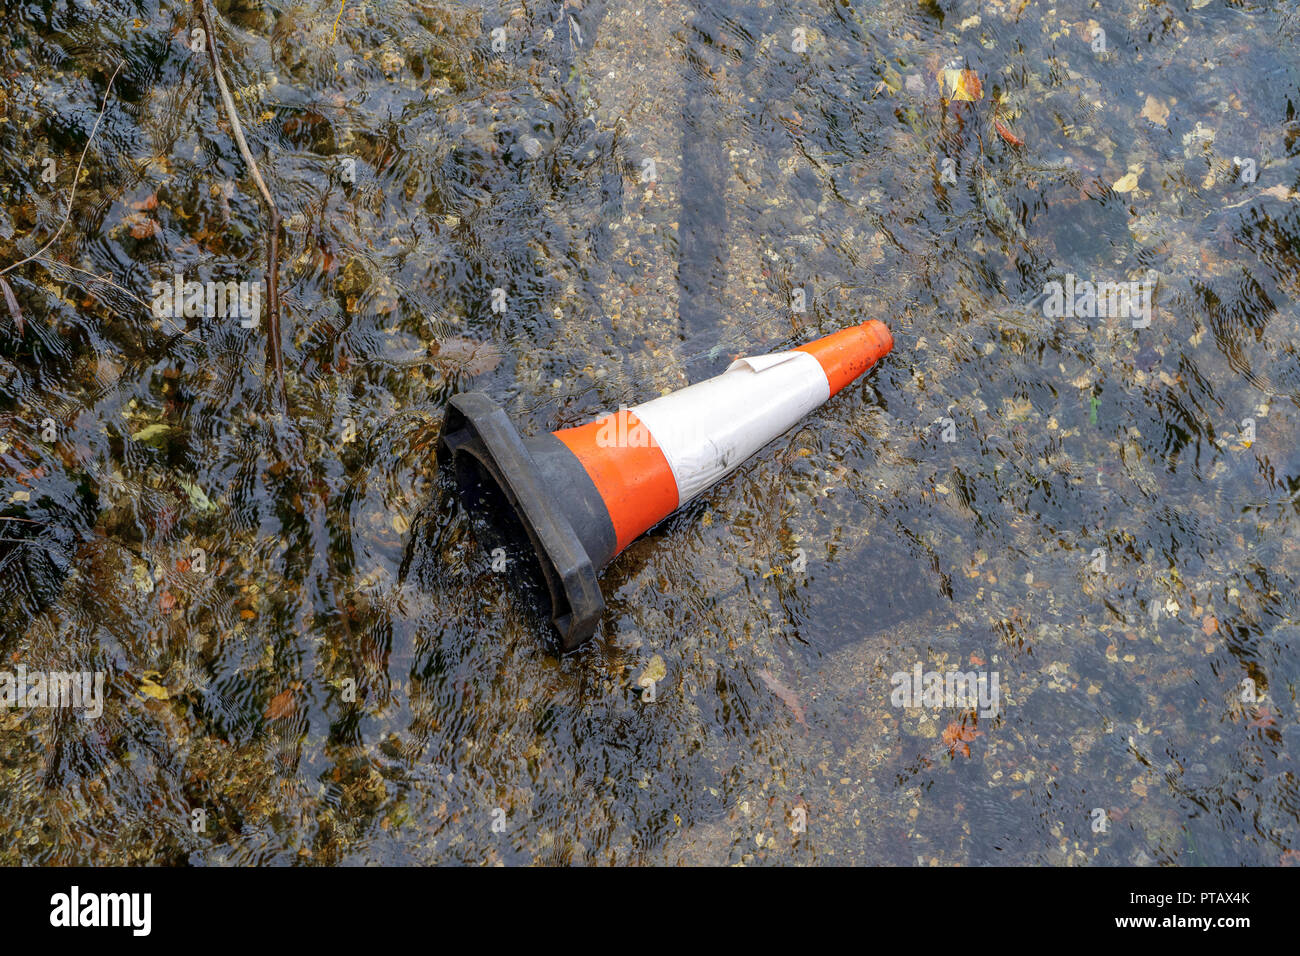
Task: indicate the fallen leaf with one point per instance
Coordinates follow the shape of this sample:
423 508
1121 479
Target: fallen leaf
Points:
957 737
1019 410
784 694
1279 191
1209 624
150 687
148 203
654 672
1264 721
142 226
12 301
465 355
167 601
961 85
197 498
247 614
150 433
1155 111
35 473
1006 134
976 660
1126 184
282 705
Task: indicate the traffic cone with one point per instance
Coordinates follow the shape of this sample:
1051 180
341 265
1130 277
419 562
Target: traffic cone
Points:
584 494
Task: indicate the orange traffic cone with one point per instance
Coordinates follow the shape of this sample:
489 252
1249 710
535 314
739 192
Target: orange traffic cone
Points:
584 494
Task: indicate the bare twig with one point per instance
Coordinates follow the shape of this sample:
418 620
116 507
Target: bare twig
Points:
334 34
276 354
99 278
76 176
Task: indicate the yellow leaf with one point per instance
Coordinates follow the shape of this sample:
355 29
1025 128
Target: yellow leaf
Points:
961 85
150 687
655 671
197 498
151 432
1126 184
1155 111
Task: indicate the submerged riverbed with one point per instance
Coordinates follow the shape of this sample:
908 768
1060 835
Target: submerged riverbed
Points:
578 205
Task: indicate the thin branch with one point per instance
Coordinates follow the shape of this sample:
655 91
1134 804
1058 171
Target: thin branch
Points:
76 176
86 272
175 335
276 354
334 34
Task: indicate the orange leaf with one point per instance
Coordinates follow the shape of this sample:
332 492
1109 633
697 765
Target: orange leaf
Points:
784 694
282 705
976 660
1264 721
958 737
247 615
1006 134
1209 624
141 226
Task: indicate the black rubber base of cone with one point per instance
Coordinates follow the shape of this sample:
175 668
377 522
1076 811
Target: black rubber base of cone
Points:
570 533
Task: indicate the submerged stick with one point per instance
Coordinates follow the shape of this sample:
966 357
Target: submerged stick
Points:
98 278
334 34
276 353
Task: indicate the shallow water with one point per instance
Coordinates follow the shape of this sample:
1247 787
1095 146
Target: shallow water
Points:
1103 516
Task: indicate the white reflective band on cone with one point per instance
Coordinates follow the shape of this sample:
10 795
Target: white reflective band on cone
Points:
707 429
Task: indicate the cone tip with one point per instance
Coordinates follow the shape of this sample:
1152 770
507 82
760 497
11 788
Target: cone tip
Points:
883 336
848 353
